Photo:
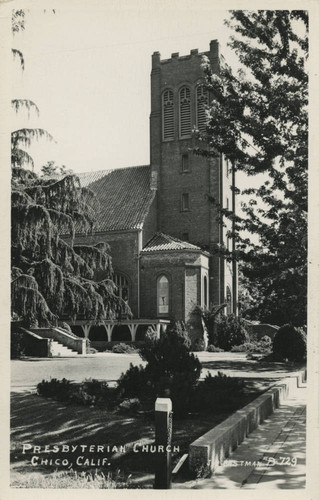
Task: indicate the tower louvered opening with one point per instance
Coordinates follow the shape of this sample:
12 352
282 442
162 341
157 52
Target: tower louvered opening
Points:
168 115
185 112
201 103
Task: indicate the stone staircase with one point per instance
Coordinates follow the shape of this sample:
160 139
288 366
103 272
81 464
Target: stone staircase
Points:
60 350
54 342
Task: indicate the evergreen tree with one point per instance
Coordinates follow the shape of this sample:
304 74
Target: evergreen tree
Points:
51 275
258 120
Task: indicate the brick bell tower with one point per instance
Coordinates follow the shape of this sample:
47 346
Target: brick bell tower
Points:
189 186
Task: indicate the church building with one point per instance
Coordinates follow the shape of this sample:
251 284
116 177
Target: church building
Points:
162 220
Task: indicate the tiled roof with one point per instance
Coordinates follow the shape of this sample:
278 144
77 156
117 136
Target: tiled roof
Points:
162 241
124 195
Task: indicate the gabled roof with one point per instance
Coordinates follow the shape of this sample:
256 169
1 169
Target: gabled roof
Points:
124 195
161 242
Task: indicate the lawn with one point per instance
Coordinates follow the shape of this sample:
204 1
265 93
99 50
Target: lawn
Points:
36 421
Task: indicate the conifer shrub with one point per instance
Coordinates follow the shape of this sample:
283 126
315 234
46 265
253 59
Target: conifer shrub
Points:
90 392
290 343
217 393
230 331
60 390
171 370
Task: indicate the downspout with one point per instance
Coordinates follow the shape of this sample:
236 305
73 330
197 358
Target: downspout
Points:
235 277
220 258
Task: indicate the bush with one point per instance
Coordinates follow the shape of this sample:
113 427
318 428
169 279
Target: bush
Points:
59 390
124 348
210 317
212 348
241 348
91 392
199 345
230 331
218 393
290 343
17 345
171 370
134 383
262 346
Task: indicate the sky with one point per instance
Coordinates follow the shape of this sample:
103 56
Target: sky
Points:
87 67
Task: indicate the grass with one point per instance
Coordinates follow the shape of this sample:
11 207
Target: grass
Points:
44 422
73 479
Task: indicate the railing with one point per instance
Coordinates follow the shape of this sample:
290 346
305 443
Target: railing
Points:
67 339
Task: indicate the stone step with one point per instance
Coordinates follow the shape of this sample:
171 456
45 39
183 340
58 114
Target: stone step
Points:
60 350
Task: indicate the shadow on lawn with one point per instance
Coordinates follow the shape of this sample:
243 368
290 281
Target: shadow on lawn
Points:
250 366
42 422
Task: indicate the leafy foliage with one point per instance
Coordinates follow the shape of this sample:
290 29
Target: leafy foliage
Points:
290 343
230 331
210 317
17 344
21 139
263 346
49 274
218 393
259 121
124 348
212 348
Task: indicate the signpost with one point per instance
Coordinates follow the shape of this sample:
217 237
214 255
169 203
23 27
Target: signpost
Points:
163 443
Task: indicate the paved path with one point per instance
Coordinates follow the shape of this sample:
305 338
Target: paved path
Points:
273 456
26 374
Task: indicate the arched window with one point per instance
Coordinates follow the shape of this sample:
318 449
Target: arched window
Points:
228 300
168 115
162 295
122 286
201 102
185 126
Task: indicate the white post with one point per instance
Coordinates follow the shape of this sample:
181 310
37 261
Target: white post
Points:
163 443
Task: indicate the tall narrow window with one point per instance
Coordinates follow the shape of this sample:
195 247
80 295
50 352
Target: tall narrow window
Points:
201 102
185 126
162 295
122 287
228 300
185 162
185 202
168 115
205 286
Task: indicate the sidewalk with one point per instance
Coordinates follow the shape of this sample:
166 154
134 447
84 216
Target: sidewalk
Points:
273 456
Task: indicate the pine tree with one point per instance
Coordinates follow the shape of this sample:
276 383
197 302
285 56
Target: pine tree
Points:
50 275
258 120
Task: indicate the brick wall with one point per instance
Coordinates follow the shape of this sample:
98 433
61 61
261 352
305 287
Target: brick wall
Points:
124 251
204 180
184 271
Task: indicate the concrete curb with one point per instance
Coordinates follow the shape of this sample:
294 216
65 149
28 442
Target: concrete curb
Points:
211 449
